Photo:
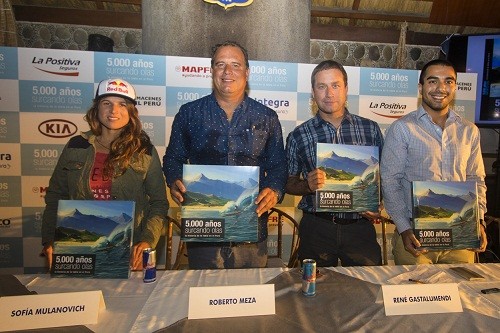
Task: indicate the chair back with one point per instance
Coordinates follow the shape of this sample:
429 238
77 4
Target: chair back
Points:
492 252
384 222
169 263
283 217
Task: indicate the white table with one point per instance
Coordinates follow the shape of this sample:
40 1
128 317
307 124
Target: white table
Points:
134 306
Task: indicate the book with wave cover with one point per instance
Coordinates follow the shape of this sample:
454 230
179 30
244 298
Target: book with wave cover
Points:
93 239
446 214
352 181
219 204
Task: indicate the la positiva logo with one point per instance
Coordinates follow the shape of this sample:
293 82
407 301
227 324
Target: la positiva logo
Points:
58 66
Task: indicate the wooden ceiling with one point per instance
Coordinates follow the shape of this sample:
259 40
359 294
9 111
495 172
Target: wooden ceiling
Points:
429 21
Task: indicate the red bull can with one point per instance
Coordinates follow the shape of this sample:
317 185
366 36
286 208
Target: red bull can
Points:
309 277
149 265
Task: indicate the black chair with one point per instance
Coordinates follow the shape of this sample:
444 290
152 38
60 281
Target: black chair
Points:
492 253
293 261
169 264
384 221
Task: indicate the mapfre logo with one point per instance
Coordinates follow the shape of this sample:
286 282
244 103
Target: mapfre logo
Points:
57 128
194 69
39 189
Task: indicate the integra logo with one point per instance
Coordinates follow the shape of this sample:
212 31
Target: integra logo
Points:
5 157
57 128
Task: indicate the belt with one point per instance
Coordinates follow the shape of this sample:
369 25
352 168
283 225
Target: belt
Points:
330 217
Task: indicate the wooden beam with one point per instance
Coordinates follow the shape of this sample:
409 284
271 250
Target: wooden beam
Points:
129 2
372 35
99 4
317 11
477 13
355 7
96 18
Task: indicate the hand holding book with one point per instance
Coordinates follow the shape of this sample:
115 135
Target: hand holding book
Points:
411 243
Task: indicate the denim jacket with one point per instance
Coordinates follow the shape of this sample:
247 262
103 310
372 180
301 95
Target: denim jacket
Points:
142 182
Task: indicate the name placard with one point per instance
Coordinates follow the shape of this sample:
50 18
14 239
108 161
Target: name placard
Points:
421 298
231 301
50 310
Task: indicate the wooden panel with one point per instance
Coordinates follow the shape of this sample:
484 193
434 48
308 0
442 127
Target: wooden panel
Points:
373 35
132 2
78 17
478 13
365 15
452 13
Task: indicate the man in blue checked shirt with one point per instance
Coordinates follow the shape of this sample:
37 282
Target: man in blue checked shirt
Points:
228 128
431 143
328 237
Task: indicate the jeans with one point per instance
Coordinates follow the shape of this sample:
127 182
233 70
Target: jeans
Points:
326 242
227 255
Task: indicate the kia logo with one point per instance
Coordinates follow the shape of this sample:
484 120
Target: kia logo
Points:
57 128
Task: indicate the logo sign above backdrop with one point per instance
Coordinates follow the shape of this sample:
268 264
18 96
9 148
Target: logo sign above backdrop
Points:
230 3
45 93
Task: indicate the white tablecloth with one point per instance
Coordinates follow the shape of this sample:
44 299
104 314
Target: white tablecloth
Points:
134 306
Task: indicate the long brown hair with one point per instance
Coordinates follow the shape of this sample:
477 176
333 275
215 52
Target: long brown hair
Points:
129 145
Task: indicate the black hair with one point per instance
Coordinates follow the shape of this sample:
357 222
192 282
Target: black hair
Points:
229 43
435 62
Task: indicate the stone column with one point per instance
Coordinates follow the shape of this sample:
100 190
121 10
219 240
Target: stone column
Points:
275 30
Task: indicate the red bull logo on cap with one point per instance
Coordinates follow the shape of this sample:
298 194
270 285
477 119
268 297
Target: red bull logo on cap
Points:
116 87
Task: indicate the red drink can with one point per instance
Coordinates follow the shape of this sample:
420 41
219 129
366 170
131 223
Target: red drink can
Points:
309 277
149 265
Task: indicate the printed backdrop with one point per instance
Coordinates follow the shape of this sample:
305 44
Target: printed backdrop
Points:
45 93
